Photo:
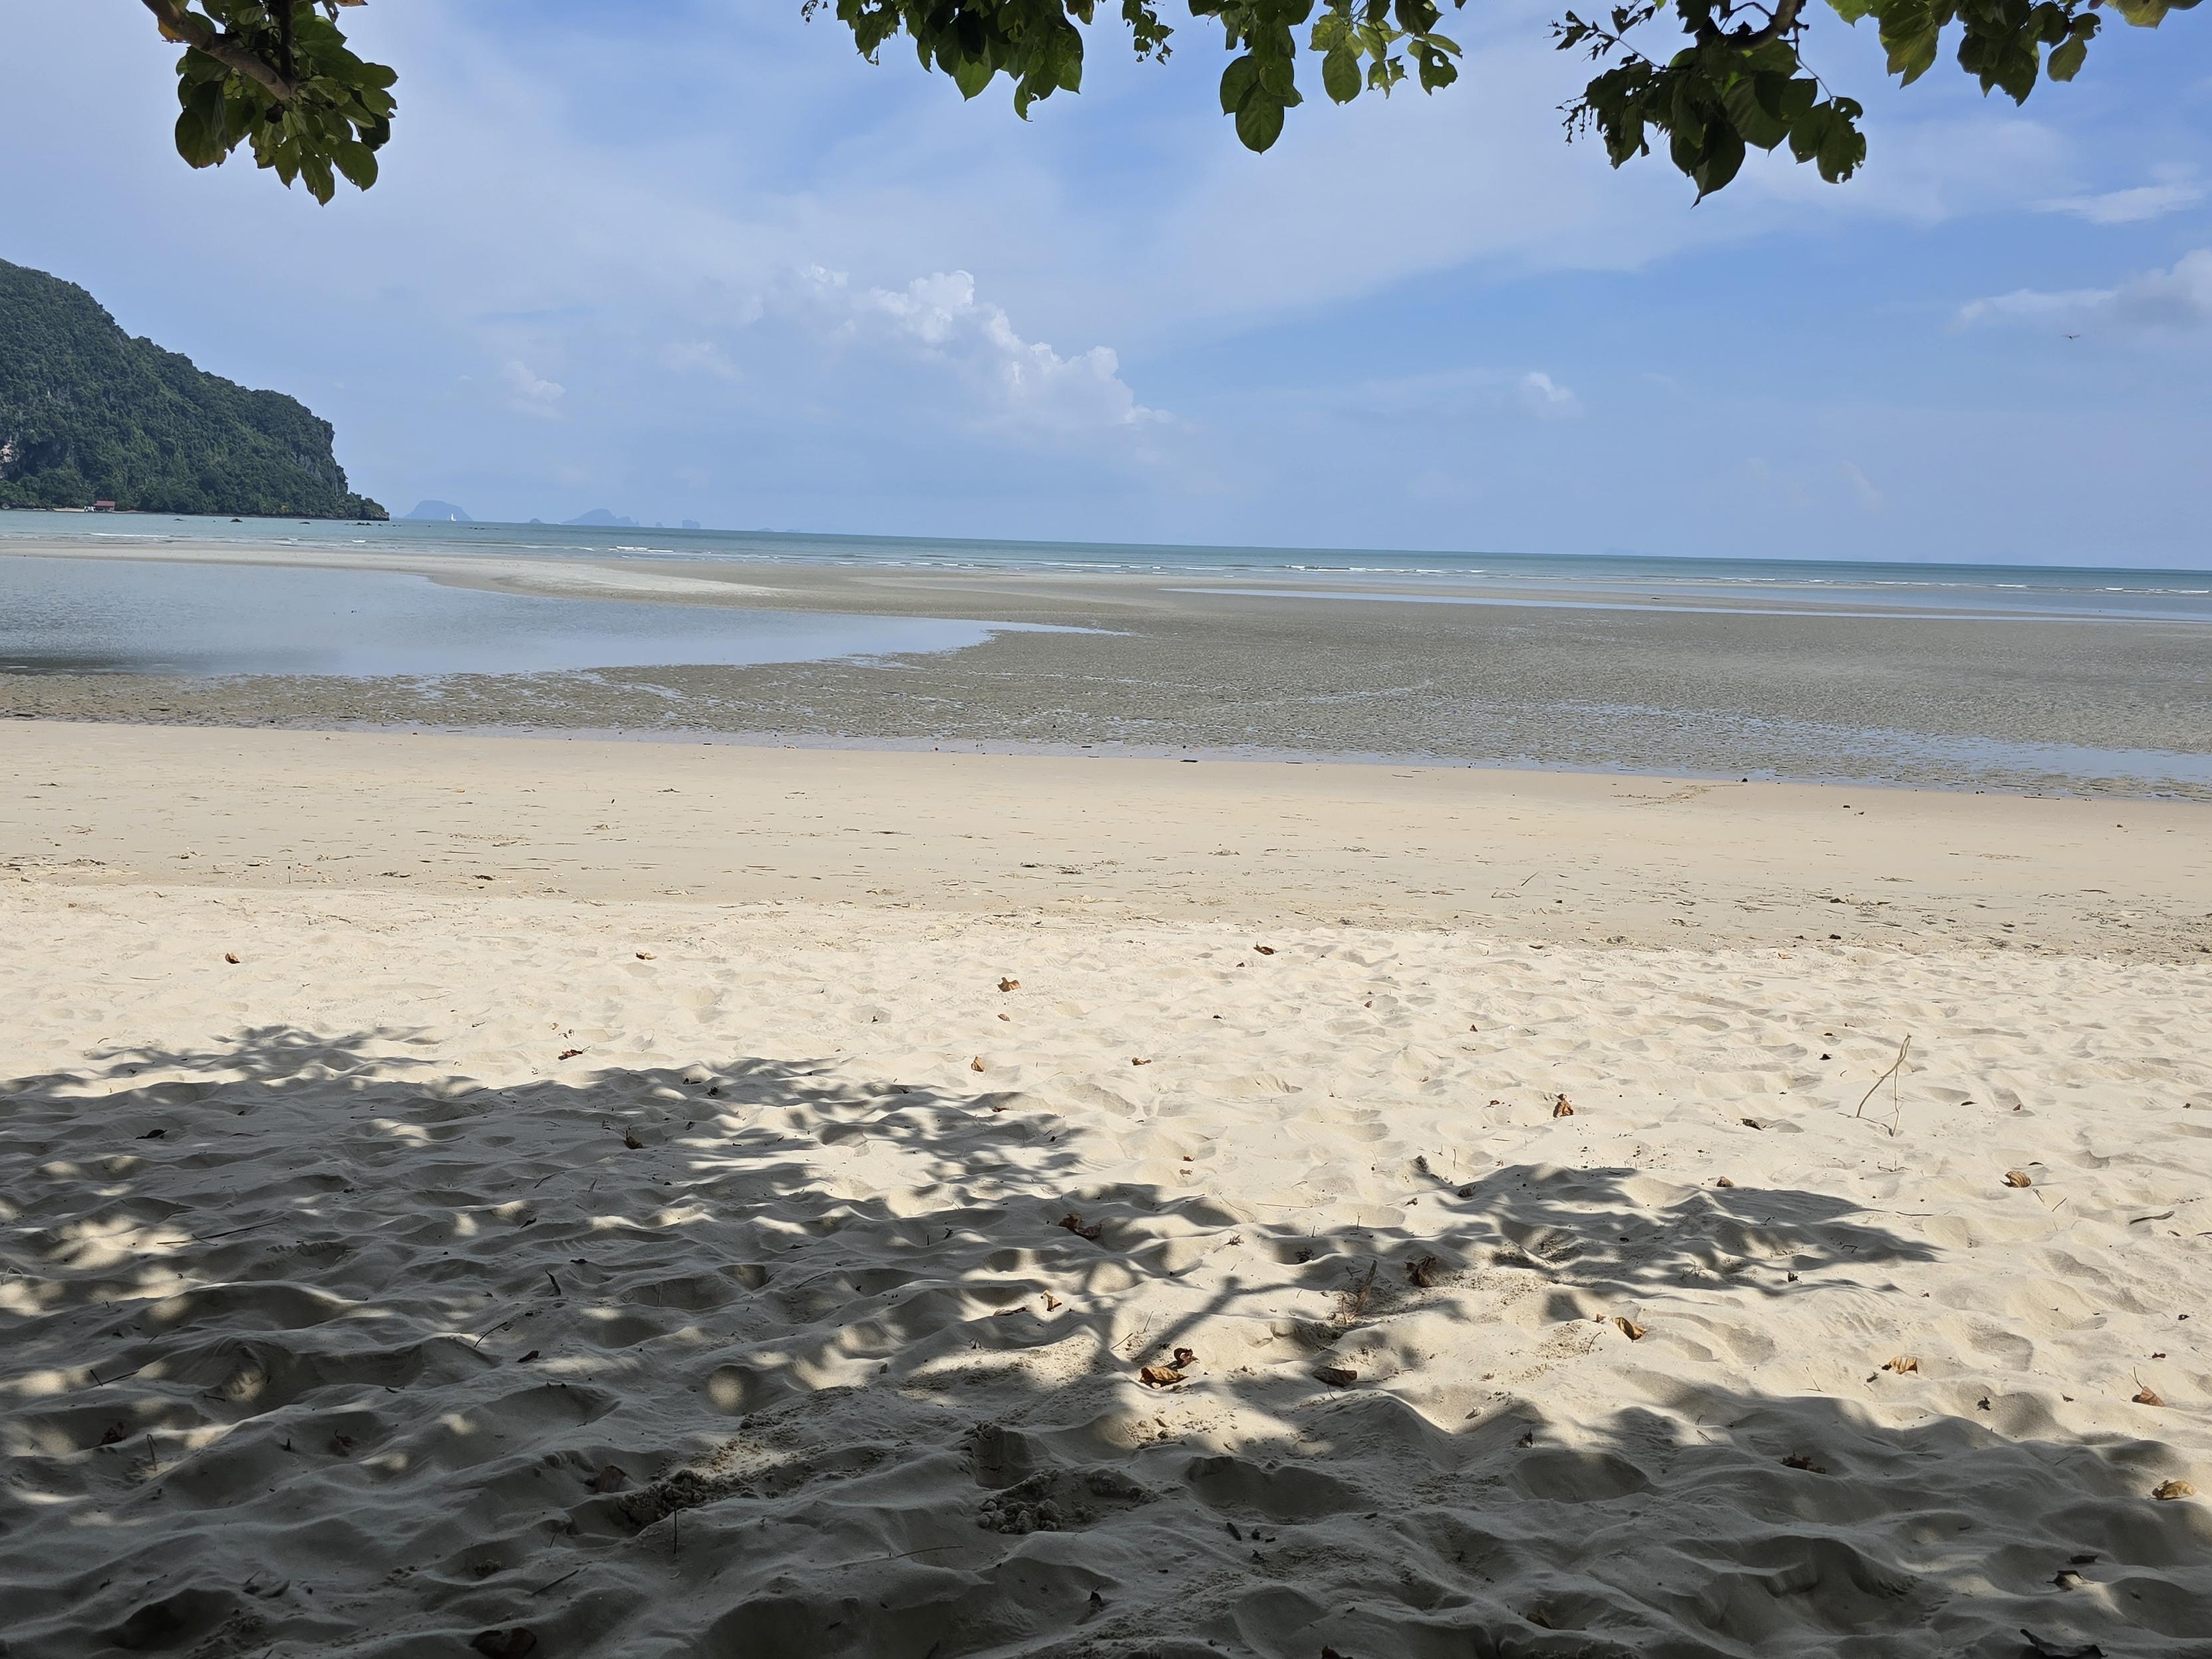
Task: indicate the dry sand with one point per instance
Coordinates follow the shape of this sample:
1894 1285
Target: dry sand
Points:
658 1245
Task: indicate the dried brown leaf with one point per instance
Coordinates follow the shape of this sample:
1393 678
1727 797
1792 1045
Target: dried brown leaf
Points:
2147 1395
1629 1327
515 1643
342 1444
630 1141
1904 1364
569 1054
1265 949
1051 1301
1337 1377
527 1357
1159 1376
1425 1270
1723 1182
609 1479
1133 1060
2018 1178
1563 1107
645 956
231 957
116 1433
1800 1460
2167 1490
977 1063
1073 1223
1010 985
1184 1360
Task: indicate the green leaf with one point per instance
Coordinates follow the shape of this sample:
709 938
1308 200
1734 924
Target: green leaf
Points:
1237 81
1340 75
972 74
2066 59
358 162
2146 13
1260 123
199 147
1751 119
1912 55
1722 159
1842 146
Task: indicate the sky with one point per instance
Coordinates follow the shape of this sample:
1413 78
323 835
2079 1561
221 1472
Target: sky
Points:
699 260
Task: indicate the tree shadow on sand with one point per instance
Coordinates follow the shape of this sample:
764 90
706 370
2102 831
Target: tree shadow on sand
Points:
305 1347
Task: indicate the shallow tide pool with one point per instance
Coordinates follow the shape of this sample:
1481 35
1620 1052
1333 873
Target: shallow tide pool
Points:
128 616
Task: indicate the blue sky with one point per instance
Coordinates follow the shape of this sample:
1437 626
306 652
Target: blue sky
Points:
698 261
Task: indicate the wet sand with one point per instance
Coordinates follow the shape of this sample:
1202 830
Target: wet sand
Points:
1179 665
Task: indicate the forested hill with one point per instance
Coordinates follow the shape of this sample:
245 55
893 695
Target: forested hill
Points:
88 414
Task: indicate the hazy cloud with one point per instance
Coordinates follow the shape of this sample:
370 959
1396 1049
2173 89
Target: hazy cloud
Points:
1546 398
697 357
1861 486
532 395
2127 207
2178 297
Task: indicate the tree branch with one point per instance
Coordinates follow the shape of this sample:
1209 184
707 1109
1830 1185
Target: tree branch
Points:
1780 22
202 35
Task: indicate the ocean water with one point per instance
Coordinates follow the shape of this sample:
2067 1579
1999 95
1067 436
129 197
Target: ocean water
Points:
145 616
1871 585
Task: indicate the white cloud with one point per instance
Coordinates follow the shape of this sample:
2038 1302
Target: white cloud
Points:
698 357
2178 297
2127 207
2034 305
1546 398
941 318
532 395
1870 498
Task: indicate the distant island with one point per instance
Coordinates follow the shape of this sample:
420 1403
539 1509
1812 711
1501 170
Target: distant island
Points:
90 417
434 511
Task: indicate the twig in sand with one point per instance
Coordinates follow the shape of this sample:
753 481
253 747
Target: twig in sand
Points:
932 1549
1890 1076
563 1579
234 1231
1354 1301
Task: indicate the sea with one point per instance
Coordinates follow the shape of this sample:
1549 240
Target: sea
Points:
1870 585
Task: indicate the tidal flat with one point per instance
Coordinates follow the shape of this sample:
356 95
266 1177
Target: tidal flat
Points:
1932 689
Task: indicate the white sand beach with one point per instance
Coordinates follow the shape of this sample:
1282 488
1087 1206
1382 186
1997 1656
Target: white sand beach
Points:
680 1200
